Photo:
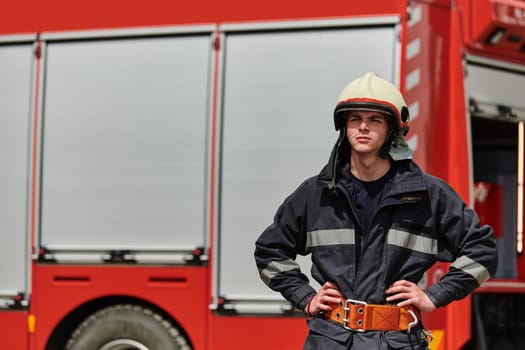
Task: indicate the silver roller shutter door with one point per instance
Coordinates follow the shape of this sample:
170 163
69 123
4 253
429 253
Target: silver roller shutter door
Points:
280 89
125 144
492 83
15 102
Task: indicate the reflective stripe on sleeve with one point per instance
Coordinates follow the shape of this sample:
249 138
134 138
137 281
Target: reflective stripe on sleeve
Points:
276 267
476 270
329 237
412 241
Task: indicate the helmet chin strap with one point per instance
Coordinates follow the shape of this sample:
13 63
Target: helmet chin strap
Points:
385 149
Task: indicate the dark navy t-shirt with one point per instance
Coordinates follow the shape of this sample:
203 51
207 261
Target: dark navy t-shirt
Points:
367 195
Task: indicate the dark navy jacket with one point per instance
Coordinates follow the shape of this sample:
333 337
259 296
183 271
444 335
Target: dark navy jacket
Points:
420 221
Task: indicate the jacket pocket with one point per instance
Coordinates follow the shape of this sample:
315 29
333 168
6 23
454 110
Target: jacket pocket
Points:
401 340
326 335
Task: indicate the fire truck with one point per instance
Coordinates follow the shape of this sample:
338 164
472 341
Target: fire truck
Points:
145 145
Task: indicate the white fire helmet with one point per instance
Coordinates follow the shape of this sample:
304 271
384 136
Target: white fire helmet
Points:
372 93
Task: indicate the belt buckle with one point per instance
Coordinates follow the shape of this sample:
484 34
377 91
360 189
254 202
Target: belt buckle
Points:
348 303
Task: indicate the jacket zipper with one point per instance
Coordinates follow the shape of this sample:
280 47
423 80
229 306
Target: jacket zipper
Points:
359 231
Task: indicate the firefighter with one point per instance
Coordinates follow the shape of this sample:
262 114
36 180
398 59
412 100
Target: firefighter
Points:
373 223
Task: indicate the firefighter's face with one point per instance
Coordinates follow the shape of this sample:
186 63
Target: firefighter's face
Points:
366 131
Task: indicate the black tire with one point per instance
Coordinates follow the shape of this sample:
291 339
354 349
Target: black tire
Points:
126 327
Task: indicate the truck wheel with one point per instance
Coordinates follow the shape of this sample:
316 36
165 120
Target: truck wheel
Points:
126 327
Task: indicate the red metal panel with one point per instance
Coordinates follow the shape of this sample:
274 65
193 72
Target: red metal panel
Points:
426 92
420 37
460 168
256 333
36 16
13 326
485 18
458 314
440 125
180 291
441 129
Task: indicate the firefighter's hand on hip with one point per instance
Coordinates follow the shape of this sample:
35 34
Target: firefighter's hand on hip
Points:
406 293
325 299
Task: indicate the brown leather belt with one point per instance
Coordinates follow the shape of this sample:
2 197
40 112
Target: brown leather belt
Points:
359 316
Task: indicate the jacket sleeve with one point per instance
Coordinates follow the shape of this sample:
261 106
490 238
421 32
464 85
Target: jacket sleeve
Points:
277 247
470 248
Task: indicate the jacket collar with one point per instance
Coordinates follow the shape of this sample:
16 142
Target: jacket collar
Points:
340 156
408 177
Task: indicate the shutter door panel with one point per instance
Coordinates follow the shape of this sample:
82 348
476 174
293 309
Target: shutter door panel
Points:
125 143
15 102
280 89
